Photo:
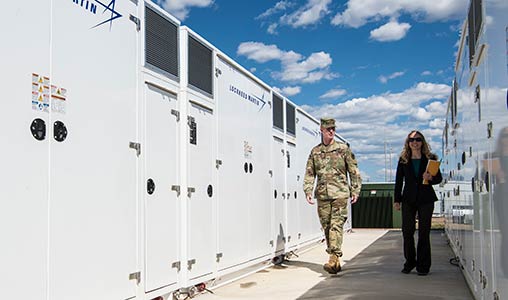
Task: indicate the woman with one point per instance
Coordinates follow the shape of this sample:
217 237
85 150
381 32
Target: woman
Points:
416 198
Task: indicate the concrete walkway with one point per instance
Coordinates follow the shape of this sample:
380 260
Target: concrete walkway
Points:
371 270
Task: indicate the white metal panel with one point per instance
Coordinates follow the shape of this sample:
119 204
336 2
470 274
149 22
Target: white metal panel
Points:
279 194
202 202
307 131
293 212
493 81
478 239
24 160
257 154
93 171
161 207
244 185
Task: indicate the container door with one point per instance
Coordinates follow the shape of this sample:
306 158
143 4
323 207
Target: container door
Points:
308 136
244 179
293 214
279 194
257 154
233 244
24 147
93 204
161 188
202 191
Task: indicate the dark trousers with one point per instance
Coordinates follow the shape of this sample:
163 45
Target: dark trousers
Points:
419 257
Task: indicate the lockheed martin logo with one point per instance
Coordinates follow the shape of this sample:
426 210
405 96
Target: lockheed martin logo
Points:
251 98
108 10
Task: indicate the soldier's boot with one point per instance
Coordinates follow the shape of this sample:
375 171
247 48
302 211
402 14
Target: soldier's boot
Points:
333 264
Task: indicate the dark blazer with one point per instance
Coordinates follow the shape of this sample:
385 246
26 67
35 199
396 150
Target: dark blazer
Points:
410 188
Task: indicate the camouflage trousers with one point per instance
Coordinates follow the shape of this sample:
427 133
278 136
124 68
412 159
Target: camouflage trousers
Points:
332 215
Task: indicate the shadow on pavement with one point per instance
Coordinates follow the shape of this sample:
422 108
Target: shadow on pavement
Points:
375 274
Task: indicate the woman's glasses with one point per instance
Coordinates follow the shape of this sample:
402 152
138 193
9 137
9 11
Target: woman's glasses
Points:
417 139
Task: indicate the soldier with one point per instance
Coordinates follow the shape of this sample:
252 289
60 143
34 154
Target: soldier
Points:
331 161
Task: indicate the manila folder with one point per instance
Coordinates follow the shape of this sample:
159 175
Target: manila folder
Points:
432 168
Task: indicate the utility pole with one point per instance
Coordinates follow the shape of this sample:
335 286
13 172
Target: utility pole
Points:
391 149
385 158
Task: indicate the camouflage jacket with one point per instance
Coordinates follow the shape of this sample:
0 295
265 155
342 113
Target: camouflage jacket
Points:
331 164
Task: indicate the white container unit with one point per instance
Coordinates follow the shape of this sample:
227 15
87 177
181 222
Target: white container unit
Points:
68 176
244 186
279 165
142 161
475 151
293 186
160 141
24 160
308 135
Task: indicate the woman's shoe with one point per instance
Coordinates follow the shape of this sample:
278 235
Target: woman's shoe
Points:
407 270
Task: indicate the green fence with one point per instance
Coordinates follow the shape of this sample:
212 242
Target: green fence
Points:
374 208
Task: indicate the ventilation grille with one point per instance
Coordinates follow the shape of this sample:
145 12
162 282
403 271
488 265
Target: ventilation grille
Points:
475 20
200 66
161 42
278 112
290 119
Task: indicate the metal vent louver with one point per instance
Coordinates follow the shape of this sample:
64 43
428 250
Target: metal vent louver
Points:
200 66
278 112
161 42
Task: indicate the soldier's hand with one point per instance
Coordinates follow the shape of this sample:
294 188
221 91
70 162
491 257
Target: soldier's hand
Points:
354 198
396 205
309 199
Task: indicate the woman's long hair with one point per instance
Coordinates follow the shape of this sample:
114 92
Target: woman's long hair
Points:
405 155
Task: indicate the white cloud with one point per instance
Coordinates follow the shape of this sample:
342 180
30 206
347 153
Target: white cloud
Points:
391 31
295 68
437 108
333 94
272 29
289 90
421 114
181 8
426 73
368 123
360 12
263 53
309 14
384 79
278 7
437 123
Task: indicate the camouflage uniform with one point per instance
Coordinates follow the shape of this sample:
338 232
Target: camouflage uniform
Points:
331 164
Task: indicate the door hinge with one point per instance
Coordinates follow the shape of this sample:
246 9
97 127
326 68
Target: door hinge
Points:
218 163
190 263
135 146
218 256
176 188
136 21
135 276
176 113
489 130
190 190
176 265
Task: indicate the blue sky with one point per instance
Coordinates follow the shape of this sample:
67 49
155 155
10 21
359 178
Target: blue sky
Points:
379 67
